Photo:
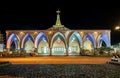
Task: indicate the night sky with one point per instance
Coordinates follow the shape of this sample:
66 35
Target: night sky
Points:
41 15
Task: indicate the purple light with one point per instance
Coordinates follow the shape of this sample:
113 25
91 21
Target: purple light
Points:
87 38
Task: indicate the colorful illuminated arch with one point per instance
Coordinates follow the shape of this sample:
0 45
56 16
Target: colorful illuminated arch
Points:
40 36
77 37
90 37
103 38
42 44
58 44
75 43
56 36
26 37
13 38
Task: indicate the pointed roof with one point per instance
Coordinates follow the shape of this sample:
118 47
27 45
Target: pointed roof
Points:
58 25
58 22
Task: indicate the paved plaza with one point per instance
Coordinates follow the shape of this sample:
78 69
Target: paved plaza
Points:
58 60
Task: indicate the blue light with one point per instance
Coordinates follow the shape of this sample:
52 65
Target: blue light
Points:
29 38
87 38
15 39
43 39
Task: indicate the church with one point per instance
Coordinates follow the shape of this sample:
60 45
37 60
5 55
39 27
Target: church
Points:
57 40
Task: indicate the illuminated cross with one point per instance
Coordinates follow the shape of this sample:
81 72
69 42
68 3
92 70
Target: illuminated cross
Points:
58 11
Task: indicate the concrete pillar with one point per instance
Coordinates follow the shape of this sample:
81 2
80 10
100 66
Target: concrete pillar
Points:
35 52
50 51
8 50
67 52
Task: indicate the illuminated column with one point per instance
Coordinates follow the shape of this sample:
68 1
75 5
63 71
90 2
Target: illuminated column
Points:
50 51
67 51
35 50
80 51
8 50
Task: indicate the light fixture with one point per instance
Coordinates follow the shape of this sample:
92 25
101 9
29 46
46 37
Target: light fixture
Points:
117 28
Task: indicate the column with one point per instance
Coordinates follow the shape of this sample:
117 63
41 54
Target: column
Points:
8 50
50 51
35 52
67 52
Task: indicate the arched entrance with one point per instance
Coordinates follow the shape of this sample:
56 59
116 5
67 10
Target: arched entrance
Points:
58 44
13 43
27 44
42 44
75 43
103 40
89 44
13 46
43 48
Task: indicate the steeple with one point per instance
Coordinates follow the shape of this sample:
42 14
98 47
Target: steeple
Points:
58 25
58 22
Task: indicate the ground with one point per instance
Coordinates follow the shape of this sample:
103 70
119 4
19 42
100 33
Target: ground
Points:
61 71
59 67
58 60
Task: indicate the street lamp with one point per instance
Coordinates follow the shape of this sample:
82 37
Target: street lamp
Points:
117 28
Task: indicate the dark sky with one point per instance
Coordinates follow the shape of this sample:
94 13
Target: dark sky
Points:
86 14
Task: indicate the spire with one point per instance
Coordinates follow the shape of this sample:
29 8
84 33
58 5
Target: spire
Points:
58 25
58 22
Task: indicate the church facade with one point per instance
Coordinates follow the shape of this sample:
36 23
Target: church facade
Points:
57 40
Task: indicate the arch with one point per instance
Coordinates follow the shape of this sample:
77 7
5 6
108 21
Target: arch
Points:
13 39
87 45
75 43
29 46
88 48
13 46
103 43
103 38
42 44
43 48
27 43
90 37
55 36
58 44
25 38
39 37
77 36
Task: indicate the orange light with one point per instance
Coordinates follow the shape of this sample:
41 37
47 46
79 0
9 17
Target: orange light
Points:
21 32
35 32
117 27
50 32
95 32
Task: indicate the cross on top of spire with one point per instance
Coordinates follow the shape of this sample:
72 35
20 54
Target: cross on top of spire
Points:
58 24
58 11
